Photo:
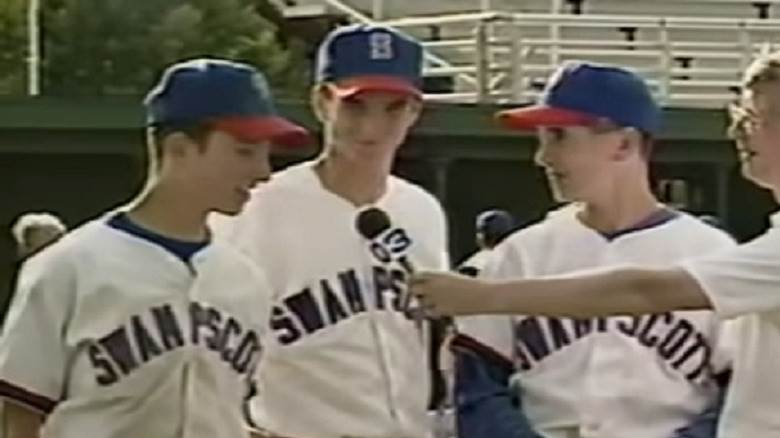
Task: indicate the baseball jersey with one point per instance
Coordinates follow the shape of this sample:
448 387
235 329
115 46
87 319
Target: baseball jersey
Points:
110 335
473 265
341 358
639 377
744 282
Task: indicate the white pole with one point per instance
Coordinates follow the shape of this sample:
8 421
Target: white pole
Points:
34 48
379 10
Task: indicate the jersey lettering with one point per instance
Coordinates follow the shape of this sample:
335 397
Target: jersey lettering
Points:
330 302
159 331
673 338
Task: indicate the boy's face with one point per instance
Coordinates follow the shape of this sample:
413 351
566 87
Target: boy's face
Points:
756 135
223 170
367 124
577 160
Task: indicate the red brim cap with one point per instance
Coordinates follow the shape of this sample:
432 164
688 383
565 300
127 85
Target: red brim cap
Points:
273 129
388 84
536 116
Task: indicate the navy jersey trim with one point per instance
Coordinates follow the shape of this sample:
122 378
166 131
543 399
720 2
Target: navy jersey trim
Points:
182 249
469 343
655 219
22 396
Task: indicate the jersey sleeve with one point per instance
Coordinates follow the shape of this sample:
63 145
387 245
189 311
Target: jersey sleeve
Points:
33 352
741 280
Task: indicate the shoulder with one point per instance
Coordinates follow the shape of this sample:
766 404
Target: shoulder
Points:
59 264
696 230
414 196
269 202
410 190
557 223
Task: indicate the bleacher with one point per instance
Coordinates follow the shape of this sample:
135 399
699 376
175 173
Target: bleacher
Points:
692 52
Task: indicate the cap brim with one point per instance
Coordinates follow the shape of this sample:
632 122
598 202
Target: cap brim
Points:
387 84
536 116
273 129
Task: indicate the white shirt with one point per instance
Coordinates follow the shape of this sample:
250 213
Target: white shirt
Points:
113 336
607 377
744 283
341 359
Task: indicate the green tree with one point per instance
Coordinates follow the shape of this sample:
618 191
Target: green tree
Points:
13 49
106 47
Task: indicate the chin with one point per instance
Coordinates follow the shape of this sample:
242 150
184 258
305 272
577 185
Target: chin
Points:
561 196
229 210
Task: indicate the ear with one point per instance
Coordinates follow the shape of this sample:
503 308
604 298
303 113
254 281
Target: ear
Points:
415 110
630 144
320 97
176 145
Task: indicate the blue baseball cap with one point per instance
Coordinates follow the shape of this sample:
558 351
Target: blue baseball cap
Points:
360 58
228 96
579 94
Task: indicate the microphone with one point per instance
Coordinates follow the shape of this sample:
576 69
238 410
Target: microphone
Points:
375 226
372 222
386 243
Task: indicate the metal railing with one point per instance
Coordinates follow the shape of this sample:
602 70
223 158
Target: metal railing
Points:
502 57
686 61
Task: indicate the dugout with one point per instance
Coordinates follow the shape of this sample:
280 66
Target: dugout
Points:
79 157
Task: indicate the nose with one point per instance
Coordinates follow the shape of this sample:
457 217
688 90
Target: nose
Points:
371 126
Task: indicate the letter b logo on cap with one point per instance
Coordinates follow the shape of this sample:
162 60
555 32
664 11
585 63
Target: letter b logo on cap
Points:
381 45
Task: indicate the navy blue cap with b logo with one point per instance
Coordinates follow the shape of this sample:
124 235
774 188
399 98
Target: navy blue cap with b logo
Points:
361 57
580 93
229 96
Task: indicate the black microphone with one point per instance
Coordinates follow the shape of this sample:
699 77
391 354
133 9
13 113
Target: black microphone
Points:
375 226
372 223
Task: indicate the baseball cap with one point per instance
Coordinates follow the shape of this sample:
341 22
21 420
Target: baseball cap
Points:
580 93
495 222
359 58
230 96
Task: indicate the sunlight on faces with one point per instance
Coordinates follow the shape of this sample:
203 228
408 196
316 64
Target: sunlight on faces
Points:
755 129
367 124
219 172
580 161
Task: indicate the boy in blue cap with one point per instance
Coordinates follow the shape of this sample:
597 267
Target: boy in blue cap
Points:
644 377
344 358
137 324
739 283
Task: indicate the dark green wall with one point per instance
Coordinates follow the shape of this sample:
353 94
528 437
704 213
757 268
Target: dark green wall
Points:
78 158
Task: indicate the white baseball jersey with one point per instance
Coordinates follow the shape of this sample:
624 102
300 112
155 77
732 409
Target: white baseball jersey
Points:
639 377
477 261
113 336
744 282
342 359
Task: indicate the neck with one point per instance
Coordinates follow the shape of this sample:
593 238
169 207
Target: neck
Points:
359 181
621 208
171 213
